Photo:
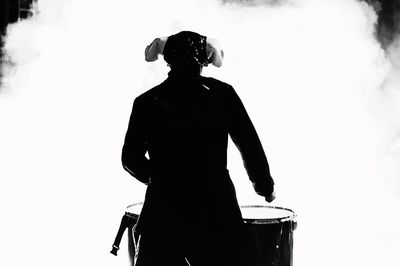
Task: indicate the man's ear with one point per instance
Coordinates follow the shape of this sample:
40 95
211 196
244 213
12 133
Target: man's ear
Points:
214 52
154 49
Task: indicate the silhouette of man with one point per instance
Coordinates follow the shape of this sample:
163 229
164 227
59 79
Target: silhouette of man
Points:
190 213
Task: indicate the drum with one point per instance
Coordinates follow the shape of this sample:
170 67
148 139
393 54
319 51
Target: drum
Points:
268 234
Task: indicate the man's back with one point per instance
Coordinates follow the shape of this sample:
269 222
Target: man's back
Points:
185 123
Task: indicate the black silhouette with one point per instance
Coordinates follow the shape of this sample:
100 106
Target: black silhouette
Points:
191 213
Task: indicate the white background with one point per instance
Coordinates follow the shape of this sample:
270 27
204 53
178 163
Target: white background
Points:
321 92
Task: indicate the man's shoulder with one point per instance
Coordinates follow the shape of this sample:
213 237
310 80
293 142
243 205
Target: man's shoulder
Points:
219 87
215 82
150 93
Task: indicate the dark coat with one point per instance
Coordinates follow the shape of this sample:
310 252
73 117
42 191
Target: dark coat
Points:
183 125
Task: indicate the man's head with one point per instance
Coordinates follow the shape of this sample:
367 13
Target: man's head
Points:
186 48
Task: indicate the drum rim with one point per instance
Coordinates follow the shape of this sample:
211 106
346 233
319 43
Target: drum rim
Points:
290 217
130 214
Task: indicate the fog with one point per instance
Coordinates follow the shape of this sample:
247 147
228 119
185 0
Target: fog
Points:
322 94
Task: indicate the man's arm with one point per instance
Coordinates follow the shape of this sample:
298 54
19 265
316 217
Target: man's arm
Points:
245 137
134 150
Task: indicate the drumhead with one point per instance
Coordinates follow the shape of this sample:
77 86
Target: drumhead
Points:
261 214
134 210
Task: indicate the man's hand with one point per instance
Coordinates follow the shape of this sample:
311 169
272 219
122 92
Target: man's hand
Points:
271 197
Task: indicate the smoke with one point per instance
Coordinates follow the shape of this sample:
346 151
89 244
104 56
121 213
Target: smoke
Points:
321 92
388 111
